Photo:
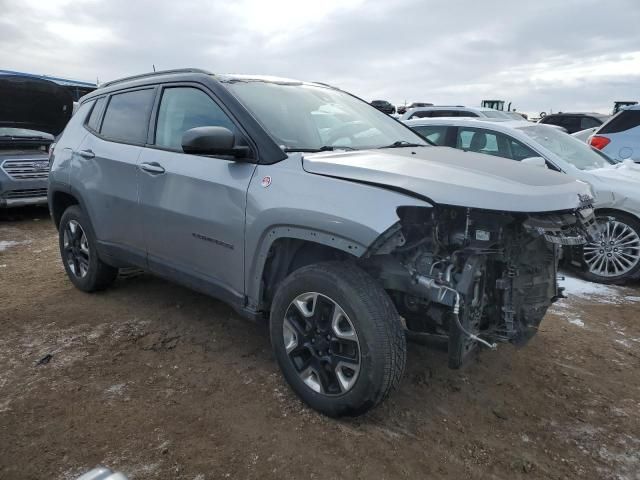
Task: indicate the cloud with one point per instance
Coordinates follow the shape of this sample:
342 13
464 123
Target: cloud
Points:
575 54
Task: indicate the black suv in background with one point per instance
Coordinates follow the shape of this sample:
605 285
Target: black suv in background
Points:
384 106
574 122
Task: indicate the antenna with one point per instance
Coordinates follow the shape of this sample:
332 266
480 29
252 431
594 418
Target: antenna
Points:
154 66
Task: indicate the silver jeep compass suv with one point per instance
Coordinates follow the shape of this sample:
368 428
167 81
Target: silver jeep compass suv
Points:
302 205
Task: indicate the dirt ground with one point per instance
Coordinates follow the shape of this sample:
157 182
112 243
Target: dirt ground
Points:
163 383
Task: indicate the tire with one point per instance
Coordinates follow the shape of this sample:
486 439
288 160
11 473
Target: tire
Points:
89 273
633 273
368 312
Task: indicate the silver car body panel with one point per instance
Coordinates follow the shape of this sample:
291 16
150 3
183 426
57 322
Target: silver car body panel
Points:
451 177
285 201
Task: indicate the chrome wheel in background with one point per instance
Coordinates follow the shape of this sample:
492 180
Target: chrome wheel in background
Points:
616 253
321 343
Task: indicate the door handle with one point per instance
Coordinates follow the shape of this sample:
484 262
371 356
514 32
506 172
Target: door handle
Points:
86 154
152 167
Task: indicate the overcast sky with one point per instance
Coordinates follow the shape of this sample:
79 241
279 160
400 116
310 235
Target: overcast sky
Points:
541 55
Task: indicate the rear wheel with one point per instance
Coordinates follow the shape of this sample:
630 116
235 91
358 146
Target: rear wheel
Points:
615 257
338 338
79 253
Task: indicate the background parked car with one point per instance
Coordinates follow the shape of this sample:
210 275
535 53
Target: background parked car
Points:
616 257
384 106
403 108
452 111
619 138
32 111
574 122
584 135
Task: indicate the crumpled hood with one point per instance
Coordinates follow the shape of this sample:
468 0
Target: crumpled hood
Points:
627 172
34 104
453 177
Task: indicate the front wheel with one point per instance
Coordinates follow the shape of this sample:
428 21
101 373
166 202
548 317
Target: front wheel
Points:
79 252
337 338
615 257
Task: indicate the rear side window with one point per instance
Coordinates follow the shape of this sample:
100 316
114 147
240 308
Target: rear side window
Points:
589 122
94 119
424 114
624 120
183 108
463 113
434 133
127 116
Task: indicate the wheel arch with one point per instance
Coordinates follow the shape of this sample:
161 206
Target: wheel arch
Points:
614 210
59 202
287 248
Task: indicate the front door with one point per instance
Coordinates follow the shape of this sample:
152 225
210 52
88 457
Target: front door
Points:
193 207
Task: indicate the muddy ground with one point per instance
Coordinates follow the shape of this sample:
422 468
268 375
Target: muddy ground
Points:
163 383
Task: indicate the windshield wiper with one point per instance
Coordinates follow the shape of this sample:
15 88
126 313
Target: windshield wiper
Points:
324 148
402 144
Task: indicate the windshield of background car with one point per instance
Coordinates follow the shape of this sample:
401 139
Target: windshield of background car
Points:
23 133
300 116
569 148
494 114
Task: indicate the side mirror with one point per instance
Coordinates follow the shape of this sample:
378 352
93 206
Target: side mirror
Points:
536 162
213 141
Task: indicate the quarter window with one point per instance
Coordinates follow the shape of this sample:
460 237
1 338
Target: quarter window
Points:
94 119
183 108
127 116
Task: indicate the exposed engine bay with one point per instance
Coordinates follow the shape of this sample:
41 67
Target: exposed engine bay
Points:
474 276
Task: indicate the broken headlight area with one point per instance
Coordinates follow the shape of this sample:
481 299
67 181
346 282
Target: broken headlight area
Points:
473 277
569 229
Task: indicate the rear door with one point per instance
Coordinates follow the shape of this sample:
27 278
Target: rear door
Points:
105 169
193 207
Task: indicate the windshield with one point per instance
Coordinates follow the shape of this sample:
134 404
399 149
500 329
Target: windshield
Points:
494 114
569 148
310 117
23 133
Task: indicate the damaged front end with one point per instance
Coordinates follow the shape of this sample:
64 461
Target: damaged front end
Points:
475 276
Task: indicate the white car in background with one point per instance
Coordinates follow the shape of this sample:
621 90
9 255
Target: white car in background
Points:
453 111
615 259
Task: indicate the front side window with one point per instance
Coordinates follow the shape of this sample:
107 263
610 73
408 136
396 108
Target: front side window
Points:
478 140
493 143
302 116
127 116
184 108
434 133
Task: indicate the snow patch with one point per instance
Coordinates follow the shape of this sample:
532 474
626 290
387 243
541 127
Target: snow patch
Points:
5 244
576 321
576 287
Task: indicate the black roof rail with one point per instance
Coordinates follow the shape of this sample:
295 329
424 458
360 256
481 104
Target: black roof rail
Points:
153 74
